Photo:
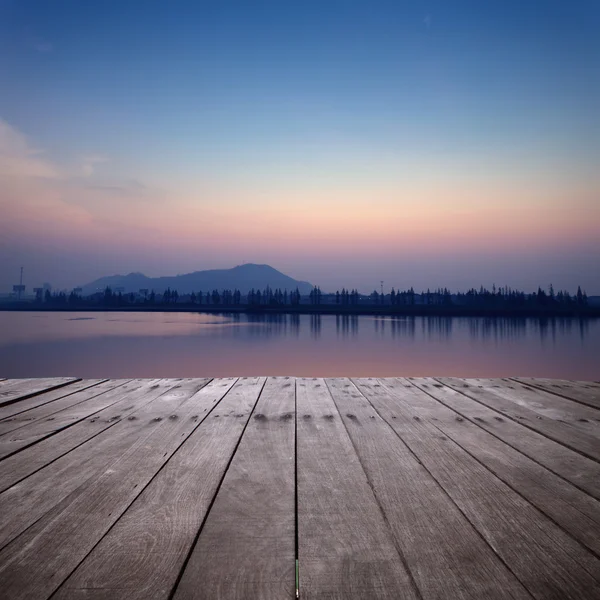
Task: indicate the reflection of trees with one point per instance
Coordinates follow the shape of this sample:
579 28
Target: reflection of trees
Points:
315 325
267 325
513 328
498 328
403 327
295 324
346 325
439 327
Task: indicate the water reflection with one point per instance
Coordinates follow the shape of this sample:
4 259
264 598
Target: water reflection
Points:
315 326
230 344
346 325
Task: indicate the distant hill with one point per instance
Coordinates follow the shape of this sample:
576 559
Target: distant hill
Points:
242 277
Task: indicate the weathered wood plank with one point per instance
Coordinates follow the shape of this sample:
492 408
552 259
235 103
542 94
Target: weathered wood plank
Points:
22 407
26 388
146 406
575 511
443 551
584 392
246 547
547 405
564 433
549 562
345 548
582 472
65 397
90 402
38 562
13 380
137 561
127 398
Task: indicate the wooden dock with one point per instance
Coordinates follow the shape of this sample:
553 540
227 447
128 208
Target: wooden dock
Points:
273 488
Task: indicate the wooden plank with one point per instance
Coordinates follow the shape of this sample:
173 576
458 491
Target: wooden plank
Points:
246 547
30 387
575 511
38 562
11 381
22 407
564 433
582 472
137 561
345 548
91 402
129 397
64 398
549 562
24 503
584 392
443 551
547 405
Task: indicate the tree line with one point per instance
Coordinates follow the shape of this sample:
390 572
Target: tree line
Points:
502 297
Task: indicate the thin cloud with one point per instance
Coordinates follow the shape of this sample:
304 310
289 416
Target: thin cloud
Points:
89 163
19 159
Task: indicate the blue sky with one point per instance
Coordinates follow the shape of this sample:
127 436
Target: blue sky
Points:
224 109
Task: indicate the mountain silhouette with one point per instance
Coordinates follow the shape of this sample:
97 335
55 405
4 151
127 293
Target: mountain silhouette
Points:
243 277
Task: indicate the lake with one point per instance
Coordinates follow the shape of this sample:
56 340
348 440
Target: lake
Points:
128 344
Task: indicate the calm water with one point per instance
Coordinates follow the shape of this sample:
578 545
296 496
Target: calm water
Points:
192 345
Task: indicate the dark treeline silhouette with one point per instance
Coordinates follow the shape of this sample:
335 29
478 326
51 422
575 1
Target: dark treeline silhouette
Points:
441 301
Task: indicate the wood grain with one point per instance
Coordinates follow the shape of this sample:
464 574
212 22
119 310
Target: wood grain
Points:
27 501
246 547
443 551
381 488
26 388
82 405
59 399
575 511
564 433
543 403
345 548
137 561
549 562
128 398
40 560
584 392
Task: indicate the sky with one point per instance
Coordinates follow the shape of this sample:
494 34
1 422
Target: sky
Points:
422 143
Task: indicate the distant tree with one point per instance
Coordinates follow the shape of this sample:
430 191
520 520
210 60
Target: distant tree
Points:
193 298
47 296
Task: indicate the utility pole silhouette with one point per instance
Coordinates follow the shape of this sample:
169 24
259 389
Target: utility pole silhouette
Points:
19 288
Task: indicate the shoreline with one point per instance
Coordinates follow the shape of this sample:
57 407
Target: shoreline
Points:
403 311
